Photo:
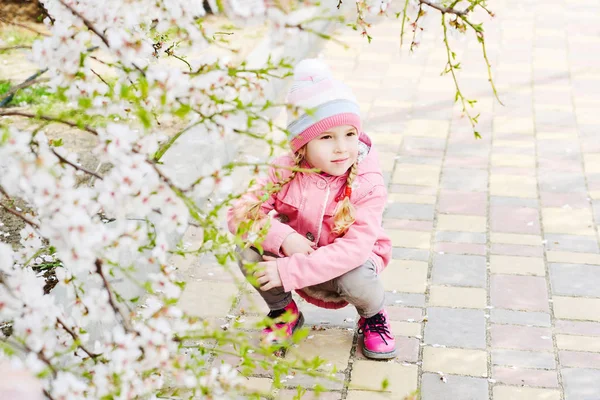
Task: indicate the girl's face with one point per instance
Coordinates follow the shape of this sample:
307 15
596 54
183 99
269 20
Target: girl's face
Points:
334 151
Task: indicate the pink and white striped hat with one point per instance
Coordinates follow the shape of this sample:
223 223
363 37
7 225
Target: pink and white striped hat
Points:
324 103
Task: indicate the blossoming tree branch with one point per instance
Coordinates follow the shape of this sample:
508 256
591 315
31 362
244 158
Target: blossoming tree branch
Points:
104 63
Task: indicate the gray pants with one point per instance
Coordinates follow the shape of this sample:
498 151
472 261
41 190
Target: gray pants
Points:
360 287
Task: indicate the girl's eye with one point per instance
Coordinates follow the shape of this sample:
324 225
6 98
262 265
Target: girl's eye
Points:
351 133
326 137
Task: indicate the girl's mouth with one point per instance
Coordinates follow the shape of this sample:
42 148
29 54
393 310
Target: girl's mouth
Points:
340 161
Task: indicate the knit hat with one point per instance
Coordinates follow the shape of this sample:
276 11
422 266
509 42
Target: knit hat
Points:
324 103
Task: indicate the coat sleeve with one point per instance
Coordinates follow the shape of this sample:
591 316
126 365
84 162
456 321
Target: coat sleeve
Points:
278 231
344 254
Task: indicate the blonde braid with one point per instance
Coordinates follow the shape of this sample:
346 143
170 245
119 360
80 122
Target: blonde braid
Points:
345 213
252 210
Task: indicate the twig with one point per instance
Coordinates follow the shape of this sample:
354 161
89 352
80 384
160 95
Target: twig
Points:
403 21
111 299
444 10
15 212
49 118
339 4
78 167
9 48
76 339
23 26
48 395
27 82
98 75
86 22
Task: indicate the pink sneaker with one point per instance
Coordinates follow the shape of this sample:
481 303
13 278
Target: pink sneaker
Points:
378 341
280 331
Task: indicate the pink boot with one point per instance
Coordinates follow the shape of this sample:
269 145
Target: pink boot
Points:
379 343
280 331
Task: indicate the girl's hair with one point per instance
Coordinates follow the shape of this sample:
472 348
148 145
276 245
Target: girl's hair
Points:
343 217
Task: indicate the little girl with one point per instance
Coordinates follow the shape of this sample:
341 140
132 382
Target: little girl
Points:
324 237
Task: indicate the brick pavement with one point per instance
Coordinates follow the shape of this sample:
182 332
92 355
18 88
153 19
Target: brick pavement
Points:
494 282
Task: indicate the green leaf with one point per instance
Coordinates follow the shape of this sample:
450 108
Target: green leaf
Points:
56 142
385 384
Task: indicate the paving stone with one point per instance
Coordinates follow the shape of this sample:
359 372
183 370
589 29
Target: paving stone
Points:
575 279
501 316
333 345
416 174
584 244
573 258
562 182
464 162
574 221
405 276
461 237
459 270
523 359
308 382
577 308
573 200
406 299
366 395
411 198
408 329
525 377
466 203
579 359
418 143
517 250
577 328
460 248
455 361
401 253
511 159
516 239
596 209
411 239
527 293
464 179
455 387
455 327
524 393
208 299
408 225
405 159
369 375
463 223
500 264
409 314
316 316
413 189
514 220
504 201
581 383
410 211
578 343
513 186
461 297
521 337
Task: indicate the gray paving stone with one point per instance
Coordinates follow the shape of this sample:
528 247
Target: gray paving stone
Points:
401 253
405 299
561 182
575 279
459 270
455 327
513 202
461 237
523 359
464 179
581 383
314 316
584 244
422 212
456 387
502 316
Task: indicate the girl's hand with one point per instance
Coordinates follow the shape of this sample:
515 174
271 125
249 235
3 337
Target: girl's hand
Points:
267 274
296 243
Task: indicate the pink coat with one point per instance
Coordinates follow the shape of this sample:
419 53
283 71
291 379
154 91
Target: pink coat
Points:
306 205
